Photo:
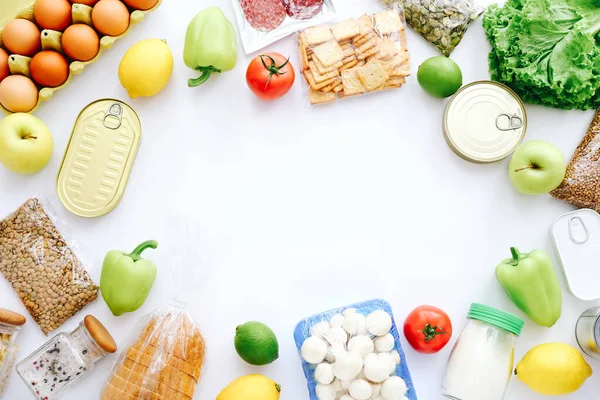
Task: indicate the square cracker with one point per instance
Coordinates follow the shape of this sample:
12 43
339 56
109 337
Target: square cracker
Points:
387 22
317 97
329 53
330 87
323 69
351 64
317 34
401 70
318 77
311 81
302 48
351 83
345 29
372 75
365 25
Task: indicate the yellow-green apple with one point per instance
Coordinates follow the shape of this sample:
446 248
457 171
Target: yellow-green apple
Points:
537 167
25 143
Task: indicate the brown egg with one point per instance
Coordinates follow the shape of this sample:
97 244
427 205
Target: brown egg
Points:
18 93
49 68
21 36
80 42
53 14
141 4
4 70
90 3
110 17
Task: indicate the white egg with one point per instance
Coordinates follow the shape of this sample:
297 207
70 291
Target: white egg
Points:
324 373
319 329
355 324
395 356
325 392
336 320
347 366
336 335
360 389
394 388
379 323
385 343
361 344
313 350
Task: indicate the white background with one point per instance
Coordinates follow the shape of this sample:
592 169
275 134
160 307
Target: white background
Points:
300 209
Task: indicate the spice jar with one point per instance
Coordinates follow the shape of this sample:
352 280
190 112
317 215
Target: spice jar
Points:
587 332
10 324
481 362
66 358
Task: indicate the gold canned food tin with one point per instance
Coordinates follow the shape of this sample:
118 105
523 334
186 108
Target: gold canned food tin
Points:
99 158
484 122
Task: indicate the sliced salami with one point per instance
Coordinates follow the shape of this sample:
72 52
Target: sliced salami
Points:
303 9
263 15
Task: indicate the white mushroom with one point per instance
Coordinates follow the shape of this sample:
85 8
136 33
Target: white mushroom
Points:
389 360
355 324
385 343
346 397
361 344
313 350
336 320
333 350
376 369
347 365
395 356
325 392
393 388
360 389
346 383
336 335
379 323
324 373
376 390
348 311
319 329
370 358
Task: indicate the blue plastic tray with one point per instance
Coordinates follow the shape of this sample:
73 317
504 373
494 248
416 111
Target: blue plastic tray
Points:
302 332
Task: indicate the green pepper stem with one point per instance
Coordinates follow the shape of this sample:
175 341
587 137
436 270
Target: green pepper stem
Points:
515 256
137 252
206 71
278 387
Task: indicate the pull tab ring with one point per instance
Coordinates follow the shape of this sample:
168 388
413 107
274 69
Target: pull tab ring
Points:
514 122
578 231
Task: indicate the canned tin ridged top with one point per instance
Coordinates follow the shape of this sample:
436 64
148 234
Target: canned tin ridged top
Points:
484 122
99 158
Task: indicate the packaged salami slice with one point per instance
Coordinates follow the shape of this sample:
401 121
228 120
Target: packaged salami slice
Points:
263 22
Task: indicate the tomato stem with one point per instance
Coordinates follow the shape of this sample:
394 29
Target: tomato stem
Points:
431 331
273 69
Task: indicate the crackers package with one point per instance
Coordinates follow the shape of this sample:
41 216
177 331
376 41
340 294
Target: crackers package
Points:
355 56
164 361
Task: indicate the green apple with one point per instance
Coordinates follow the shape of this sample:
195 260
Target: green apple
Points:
25 143
537 167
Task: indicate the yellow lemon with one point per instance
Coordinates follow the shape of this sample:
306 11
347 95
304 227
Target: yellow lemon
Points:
146 68
553 369
251 387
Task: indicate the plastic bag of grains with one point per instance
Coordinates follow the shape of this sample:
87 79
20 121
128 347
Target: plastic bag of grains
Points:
443 23
581 186
42 268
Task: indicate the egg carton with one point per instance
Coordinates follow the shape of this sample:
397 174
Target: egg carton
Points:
302 332
18 64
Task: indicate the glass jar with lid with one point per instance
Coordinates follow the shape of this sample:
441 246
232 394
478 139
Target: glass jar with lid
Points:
587 332
66 358
481 362
10 325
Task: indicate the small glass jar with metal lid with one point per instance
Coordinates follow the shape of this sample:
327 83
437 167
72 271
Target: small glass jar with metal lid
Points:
66 358
481 363
587 332
10 325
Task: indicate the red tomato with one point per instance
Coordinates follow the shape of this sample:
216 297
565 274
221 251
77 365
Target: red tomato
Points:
270 76
427 329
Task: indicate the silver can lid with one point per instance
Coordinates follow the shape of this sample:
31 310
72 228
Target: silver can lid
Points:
484 122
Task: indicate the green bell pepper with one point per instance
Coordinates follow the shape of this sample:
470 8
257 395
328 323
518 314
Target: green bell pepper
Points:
126 279
210 44
531 283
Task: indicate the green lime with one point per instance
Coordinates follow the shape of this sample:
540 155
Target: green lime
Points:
439 76
256 343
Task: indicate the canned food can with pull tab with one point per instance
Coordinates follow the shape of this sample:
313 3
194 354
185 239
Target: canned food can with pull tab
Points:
99 158
484 122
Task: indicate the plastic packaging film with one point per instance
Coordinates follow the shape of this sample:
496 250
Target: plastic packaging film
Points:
581 186
42 266
442 23
364 329
355 56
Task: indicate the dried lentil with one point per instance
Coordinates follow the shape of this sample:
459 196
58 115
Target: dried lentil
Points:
581 186
42 268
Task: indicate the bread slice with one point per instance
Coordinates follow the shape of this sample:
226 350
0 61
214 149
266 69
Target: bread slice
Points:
168 376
